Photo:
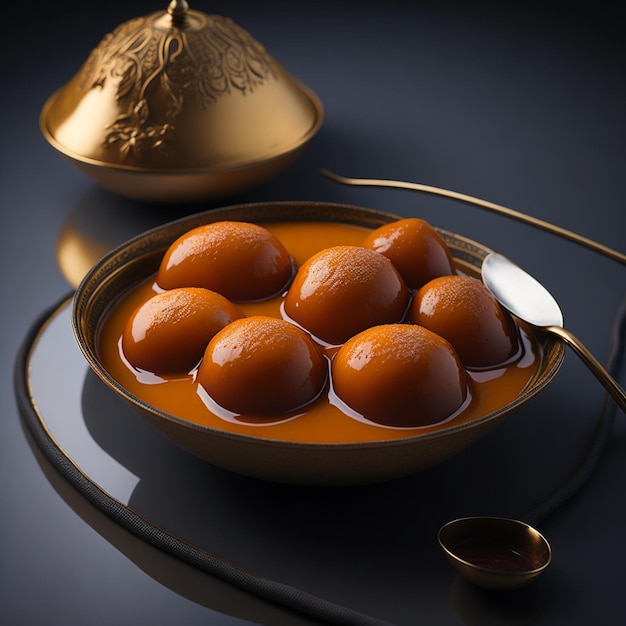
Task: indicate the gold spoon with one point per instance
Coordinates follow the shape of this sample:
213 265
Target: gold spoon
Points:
502 553
497 552
490 206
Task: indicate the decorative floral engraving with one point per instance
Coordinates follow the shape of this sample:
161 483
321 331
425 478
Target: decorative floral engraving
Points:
155 70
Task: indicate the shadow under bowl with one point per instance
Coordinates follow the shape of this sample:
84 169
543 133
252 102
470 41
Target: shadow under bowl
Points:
273 459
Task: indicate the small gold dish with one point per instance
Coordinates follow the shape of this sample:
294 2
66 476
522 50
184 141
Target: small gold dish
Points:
495 552
180 106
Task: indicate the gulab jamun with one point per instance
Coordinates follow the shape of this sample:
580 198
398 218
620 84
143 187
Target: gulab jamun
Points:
242 261
262 366
342 290
463 311
416 249
168 333
399 375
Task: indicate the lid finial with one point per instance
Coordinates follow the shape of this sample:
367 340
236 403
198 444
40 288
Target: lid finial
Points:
178 10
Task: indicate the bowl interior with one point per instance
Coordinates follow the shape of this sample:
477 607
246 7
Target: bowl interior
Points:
272 459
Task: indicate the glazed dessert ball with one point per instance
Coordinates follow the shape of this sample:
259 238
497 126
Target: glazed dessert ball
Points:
415 248
463 311
242 261
342 290
168 333
262 366
399 375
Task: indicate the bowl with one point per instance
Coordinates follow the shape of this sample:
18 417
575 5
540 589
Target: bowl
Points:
495 552
273 459
180 106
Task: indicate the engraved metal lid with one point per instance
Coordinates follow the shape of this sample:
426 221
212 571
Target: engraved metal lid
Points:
190 102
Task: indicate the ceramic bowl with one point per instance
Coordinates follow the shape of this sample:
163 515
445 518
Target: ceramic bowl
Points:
273 459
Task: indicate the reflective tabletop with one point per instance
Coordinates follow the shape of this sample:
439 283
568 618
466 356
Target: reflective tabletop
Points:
522 105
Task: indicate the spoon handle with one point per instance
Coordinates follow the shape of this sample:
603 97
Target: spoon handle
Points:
592 363
490 206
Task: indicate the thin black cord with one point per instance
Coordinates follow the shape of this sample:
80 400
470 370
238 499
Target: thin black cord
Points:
279 593
284 595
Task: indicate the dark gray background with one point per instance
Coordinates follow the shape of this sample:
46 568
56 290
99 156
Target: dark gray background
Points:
519 103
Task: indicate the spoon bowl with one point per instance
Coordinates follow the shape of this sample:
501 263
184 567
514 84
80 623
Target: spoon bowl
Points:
520 293
530 301
495 552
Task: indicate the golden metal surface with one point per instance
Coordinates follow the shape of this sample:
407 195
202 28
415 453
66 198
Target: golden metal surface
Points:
180 105
96 225
497 539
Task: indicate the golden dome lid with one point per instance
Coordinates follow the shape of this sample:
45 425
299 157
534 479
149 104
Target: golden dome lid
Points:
180 91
